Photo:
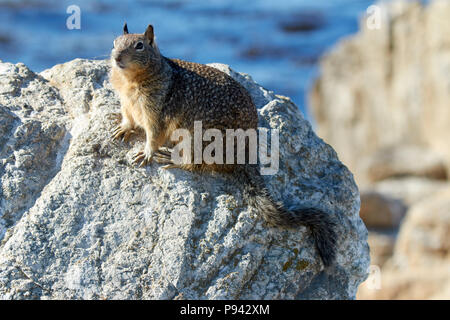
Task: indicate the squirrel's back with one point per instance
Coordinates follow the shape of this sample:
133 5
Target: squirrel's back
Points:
202 93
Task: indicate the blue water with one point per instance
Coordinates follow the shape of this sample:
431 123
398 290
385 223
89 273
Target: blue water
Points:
278 42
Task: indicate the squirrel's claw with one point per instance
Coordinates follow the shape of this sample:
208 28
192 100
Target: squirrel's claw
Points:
169 166
127 135
164 152
142 158
120 132
164 156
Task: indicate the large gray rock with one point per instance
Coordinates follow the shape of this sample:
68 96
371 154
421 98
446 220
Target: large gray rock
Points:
79 221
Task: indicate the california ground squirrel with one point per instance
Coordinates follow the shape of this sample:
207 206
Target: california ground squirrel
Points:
161 95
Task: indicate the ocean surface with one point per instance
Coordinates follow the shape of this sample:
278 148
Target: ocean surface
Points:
278 42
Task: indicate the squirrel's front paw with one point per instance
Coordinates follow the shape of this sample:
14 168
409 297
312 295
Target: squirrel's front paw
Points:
143 158
122 132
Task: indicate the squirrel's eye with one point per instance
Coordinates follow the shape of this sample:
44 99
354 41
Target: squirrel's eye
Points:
139 46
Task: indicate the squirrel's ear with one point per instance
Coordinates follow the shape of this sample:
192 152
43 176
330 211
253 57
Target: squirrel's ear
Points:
125 28
149 33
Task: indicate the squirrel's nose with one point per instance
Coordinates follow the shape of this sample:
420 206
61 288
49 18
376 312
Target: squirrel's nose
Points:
119 61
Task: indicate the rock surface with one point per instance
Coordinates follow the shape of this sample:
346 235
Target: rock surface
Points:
420 265
405 161
388 87
78 221
424 239
381 245
409 190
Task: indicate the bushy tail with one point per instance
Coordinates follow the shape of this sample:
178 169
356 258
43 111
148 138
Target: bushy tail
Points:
321 225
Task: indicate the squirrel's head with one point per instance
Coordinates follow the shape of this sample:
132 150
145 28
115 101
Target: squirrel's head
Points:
135 51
